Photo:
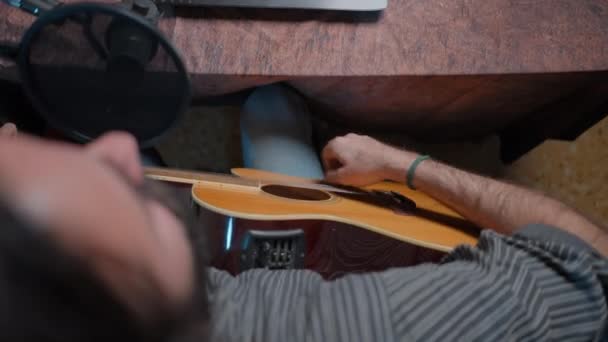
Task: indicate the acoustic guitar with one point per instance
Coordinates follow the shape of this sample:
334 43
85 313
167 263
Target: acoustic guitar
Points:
257 219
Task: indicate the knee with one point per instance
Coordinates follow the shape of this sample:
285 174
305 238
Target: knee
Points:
265 95
260 105
274 106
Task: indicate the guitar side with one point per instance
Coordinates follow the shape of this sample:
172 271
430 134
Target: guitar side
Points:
432 225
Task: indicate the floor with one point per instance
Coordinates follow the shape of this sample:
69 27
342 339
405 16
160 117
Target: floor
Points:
576 172
206 139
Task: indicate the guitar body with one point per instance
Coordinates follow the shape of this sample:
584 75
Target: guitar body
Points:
262 219
332 249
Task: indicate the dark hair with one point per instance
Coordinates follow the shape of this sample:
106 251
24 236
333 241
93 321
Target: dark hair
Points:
48 295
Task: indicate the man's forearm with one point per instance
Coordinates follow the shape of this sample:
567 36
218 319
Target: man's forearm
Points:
494 204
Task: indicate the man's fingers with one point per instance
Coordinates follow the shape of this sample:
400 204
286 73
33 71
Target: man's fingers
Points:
119 149
330 158
342 175
8 130
334 176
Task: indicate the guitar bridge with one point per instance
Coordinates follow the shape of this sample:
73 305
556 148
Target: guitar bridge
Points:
275 249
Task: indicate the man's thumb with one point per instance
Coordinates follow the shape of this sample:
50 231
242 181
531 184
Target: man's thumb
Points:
8 130
335 176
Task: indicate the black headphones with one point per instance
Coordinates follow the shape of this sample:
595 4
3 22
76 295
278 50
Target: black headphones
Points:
90 68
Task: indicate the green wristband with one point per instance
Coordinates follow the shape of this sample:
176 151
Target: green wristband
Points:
412 170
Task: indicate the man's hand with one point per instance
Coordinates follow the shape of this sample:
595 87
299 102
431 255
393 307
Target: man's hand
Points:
360 160
119 149
8 130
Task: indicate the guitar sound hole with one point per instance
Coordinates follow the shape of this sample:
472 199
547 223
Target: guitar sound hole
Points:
296 193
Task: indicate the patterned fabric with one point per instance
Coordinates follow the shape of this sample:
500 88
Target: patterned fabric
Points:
540 285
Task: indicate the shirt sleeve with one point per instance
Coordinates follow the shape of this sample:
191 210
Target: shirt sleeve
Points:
537 285
542 232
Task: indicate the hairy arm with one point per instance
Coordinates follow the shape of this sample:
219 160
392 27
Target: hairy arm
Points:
487 202
494 204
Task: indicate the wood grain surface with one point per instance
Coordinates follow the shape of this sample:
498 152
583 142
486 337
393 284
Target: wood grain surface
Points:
411 37
442 108
454 67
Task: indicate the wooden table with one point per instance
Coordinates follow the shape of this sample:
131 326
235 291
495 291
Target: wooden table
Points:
458 67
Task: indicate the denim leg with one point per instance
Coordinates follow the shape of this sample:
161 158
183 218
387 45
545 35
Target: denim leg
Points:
276 133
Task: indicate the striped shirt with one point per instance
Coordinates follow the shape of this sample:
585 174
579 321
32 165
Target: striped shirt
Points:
541 284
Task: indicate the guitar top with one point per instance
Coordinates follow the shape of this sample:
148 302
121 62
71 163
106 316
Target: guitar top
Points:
385 208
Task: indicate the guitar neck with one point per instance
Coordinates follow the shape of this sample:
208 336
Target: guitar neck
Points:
195 177
234 182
